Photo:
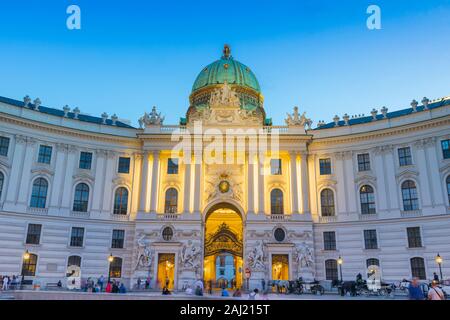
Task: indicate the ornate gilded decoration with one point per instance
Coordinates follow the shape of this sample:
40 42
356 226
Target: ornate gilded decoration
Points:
224 186
223 240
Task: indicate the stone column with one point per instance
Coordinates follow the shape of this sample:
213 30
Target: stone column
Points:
197 183
423 165
261 185
340 197
23 197
304 187
380 173
67 196
439 198
294 183
250 182
100 162
155 182
16 169
55 199
144 197
187 185
391 182
111 168
135 182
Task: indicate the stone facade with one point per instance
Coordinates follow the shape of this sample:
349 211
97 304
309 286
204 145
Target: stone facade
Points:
247 192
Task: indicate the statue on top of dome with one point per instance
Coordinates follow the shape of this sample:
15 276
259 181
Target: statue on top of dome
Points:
226 51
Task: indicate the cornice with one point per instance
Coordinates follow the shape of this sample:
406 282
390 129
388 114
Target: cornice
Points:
54 129
381 133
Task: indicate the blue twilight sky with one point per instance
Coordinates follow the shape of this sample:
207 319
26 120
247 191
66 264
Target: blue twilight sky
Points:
317 54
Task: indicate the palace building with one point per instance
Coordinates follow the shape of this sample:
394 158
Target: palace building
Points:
225 196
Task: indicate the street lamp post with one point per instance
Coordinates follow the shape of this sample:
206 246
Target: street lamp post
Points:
439 260
110 260
25 257
340 261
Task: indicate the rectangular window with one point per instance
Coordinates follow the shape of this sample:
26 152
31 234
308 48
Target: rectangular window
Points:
77 237
275 167
329 241
118 238
85 160
45 154
370 239
325 166
414 237
172 166
363 162
404 156
446 148
34 234
124 165
4 146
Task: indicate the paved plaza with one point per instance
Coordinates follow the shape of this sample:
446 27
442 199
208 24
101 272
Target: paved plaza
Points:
67 295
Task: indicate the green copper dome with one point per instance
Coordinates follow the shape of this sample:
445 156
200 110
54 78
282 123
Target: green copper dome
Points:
226 70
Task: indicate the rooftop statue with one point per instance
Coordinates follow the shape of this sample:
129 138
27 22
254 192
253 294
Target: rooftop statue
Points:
151 119
297 120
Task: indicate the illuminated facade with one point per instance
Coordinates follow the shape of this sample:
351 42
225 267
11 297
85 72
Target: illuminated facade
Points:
225 193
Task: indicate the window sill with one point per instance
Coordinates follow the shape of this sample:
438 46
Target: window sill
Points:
415 248
372 250
74 247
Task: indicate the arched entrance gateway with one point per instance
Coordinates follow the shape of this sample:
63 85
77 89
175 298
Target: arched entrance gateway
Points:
223 246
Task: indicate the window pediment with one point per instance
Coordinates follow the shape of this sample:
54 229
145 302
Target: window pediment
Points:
83 176
407 174
42 171
365 178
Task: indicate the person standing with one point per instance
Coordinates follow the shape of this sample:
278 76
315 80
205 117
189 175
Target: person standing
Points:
263 285
415 291
435 293
435 277
100 282
5 283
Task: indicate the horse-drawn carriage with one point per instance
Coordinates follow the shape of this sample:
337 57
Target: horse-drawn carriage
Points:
301 287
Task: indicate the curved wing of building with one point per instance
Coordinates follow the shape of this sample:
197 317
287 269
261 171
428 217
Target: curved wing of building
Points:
225 195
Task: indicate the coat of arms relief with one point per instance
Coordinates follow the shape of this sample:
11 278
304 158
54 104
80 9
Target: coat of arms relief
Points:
225 108
224 183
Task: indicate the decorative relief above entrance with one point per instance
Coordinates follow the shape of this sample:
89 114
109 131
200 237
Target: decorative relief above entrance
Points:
223 184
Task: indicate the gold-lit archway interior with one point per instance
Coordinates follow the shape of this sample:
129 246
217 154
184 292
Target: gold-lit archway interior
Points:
223 249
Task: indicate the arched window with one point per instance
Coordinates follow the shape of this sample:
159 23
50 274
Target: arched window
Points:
39 193
409 196
73 261
115 268
418 268
367 197
448 189
171 203
2 179
372 262
121 201
331 269
29 265
327 203
276 201
81 199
